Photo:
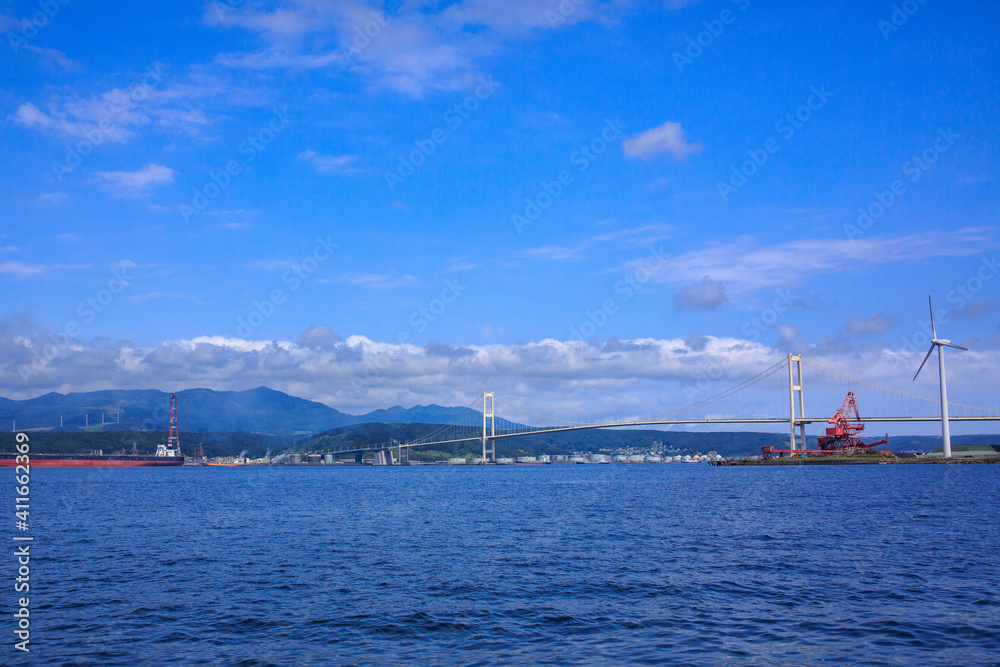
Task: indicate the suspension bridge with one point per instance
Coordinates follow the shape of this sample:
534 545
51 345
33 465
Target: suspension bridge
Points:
793 391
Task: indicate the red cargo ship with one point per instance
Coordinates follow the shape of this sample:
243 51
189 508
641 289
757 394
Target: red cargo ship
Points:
90 460
168 454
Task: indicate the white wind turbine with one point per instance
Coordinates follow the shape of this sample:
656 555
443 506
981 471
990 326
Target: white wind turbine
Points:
941 343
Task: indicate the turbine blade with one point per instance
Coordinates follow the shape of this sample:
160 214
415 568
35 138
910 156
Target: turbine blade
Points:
957 347
931 307
926 357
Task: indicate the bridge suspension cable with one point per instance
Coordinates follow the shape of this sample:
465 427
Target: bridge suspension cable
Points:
880 402
780 393
755 394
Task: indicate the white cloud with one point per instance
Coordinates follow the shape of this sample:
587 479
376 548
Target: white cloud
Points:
746 265
49 197
642 235
552 252
423 46
54 57
129 264
147 296
667 138
21 269
569 380
136 183
24 270
975 310
329 164
373 280
870 326
69 124
626 238
703 295
119 114
271 264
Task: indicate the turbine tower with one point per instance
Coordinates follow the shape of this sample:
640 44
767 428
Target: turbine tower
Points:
940 343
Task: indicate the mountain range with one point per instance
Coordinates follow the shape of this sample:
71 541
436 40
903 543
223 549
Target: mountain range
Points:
260 410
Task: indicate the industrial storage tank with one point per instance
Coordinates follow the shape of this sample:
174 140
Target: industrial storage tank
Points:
577 459
652 458
456 462
328 459
636 458
314 459
620 458
295 459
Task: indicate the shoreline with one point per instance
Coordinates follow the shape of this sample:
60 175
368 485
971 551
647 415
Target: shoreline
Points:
837 460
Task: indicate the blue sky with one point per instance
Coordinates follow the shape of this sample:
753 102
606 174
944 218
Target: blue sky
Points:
653 234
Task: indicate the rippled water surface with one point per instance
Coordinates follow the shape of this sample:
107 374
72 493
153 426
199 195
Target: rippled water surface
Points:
571 564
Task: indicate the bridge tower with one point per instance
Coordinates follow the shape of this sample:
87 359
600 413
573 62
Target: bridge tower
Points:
488 413
796 360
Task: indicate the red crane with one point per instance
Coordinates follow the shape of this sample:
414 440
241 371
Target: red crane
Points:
842 436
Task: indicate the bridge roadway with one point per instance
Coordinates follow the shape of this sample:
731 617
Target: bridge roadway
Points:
664 422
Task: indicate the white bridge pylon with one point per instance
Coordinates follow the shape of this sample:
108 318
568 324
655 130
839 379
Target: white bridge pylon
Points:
776 395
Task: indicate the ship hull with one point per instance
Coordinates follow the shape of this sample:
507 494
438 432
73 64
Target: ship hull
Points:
92 461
